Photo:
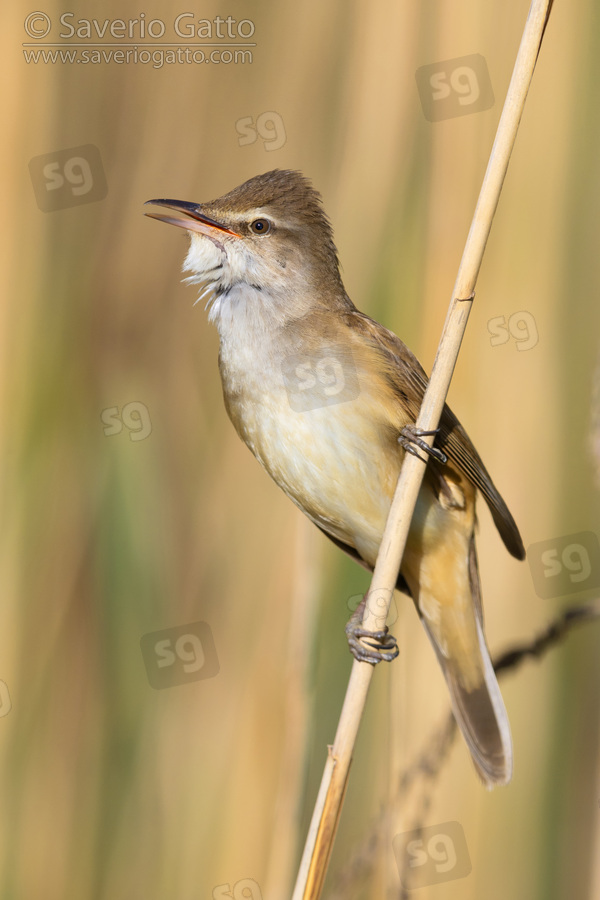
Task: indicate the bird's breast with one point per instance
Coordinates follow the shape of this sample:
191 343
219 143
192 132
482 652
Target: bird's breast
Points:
322 431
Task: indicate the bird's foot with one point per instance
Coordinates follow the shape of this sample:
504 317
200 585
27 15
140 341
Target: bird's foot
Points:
369 646
411 437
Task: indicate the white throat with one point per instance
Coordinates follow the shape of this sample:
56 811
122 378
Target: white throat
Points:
243 295
247 314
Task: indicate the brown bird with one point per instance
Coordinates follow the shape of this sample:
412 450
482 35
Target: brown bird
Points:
325 398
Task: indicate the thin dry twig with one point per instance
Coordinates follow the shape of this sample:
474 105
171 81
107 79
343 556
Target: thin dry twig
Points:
319 842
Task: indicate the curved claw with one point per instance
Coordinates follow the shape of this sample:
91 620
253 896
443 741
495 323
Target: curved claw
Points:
411 436
371 646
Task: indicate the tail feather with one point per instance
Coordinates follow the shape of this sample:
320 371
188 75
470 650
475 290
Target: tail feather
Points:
481 716
476 699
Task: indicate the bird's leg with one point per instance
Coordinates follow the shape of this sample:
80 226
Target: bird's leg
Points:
411 438
369 646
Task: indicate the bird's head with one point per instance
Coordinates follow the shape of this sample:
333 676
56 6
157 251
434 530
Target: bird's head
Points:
270 234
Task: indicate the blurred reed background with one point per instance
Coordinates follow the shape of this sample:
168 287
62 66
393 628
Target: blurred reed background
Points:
114 789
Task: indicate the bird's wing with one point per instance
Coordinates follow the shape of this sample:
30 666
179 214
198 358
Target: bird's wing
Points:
404 373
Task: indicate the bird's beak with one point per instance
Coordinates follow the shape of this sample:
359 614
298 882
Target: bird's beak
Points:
196 221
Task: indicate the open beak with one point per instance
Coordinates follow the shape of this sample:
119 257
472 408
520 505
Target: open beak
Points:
196 221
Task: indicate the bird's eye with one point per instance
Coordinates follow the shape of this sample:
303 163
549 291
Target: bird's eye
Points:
260 226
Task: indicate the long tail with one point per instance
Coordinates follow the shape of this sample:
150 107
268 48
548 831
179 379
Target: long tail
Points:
481 716
476 699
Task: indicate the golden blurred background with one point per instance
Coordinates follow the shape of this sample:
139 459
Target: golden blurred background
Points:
131 508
